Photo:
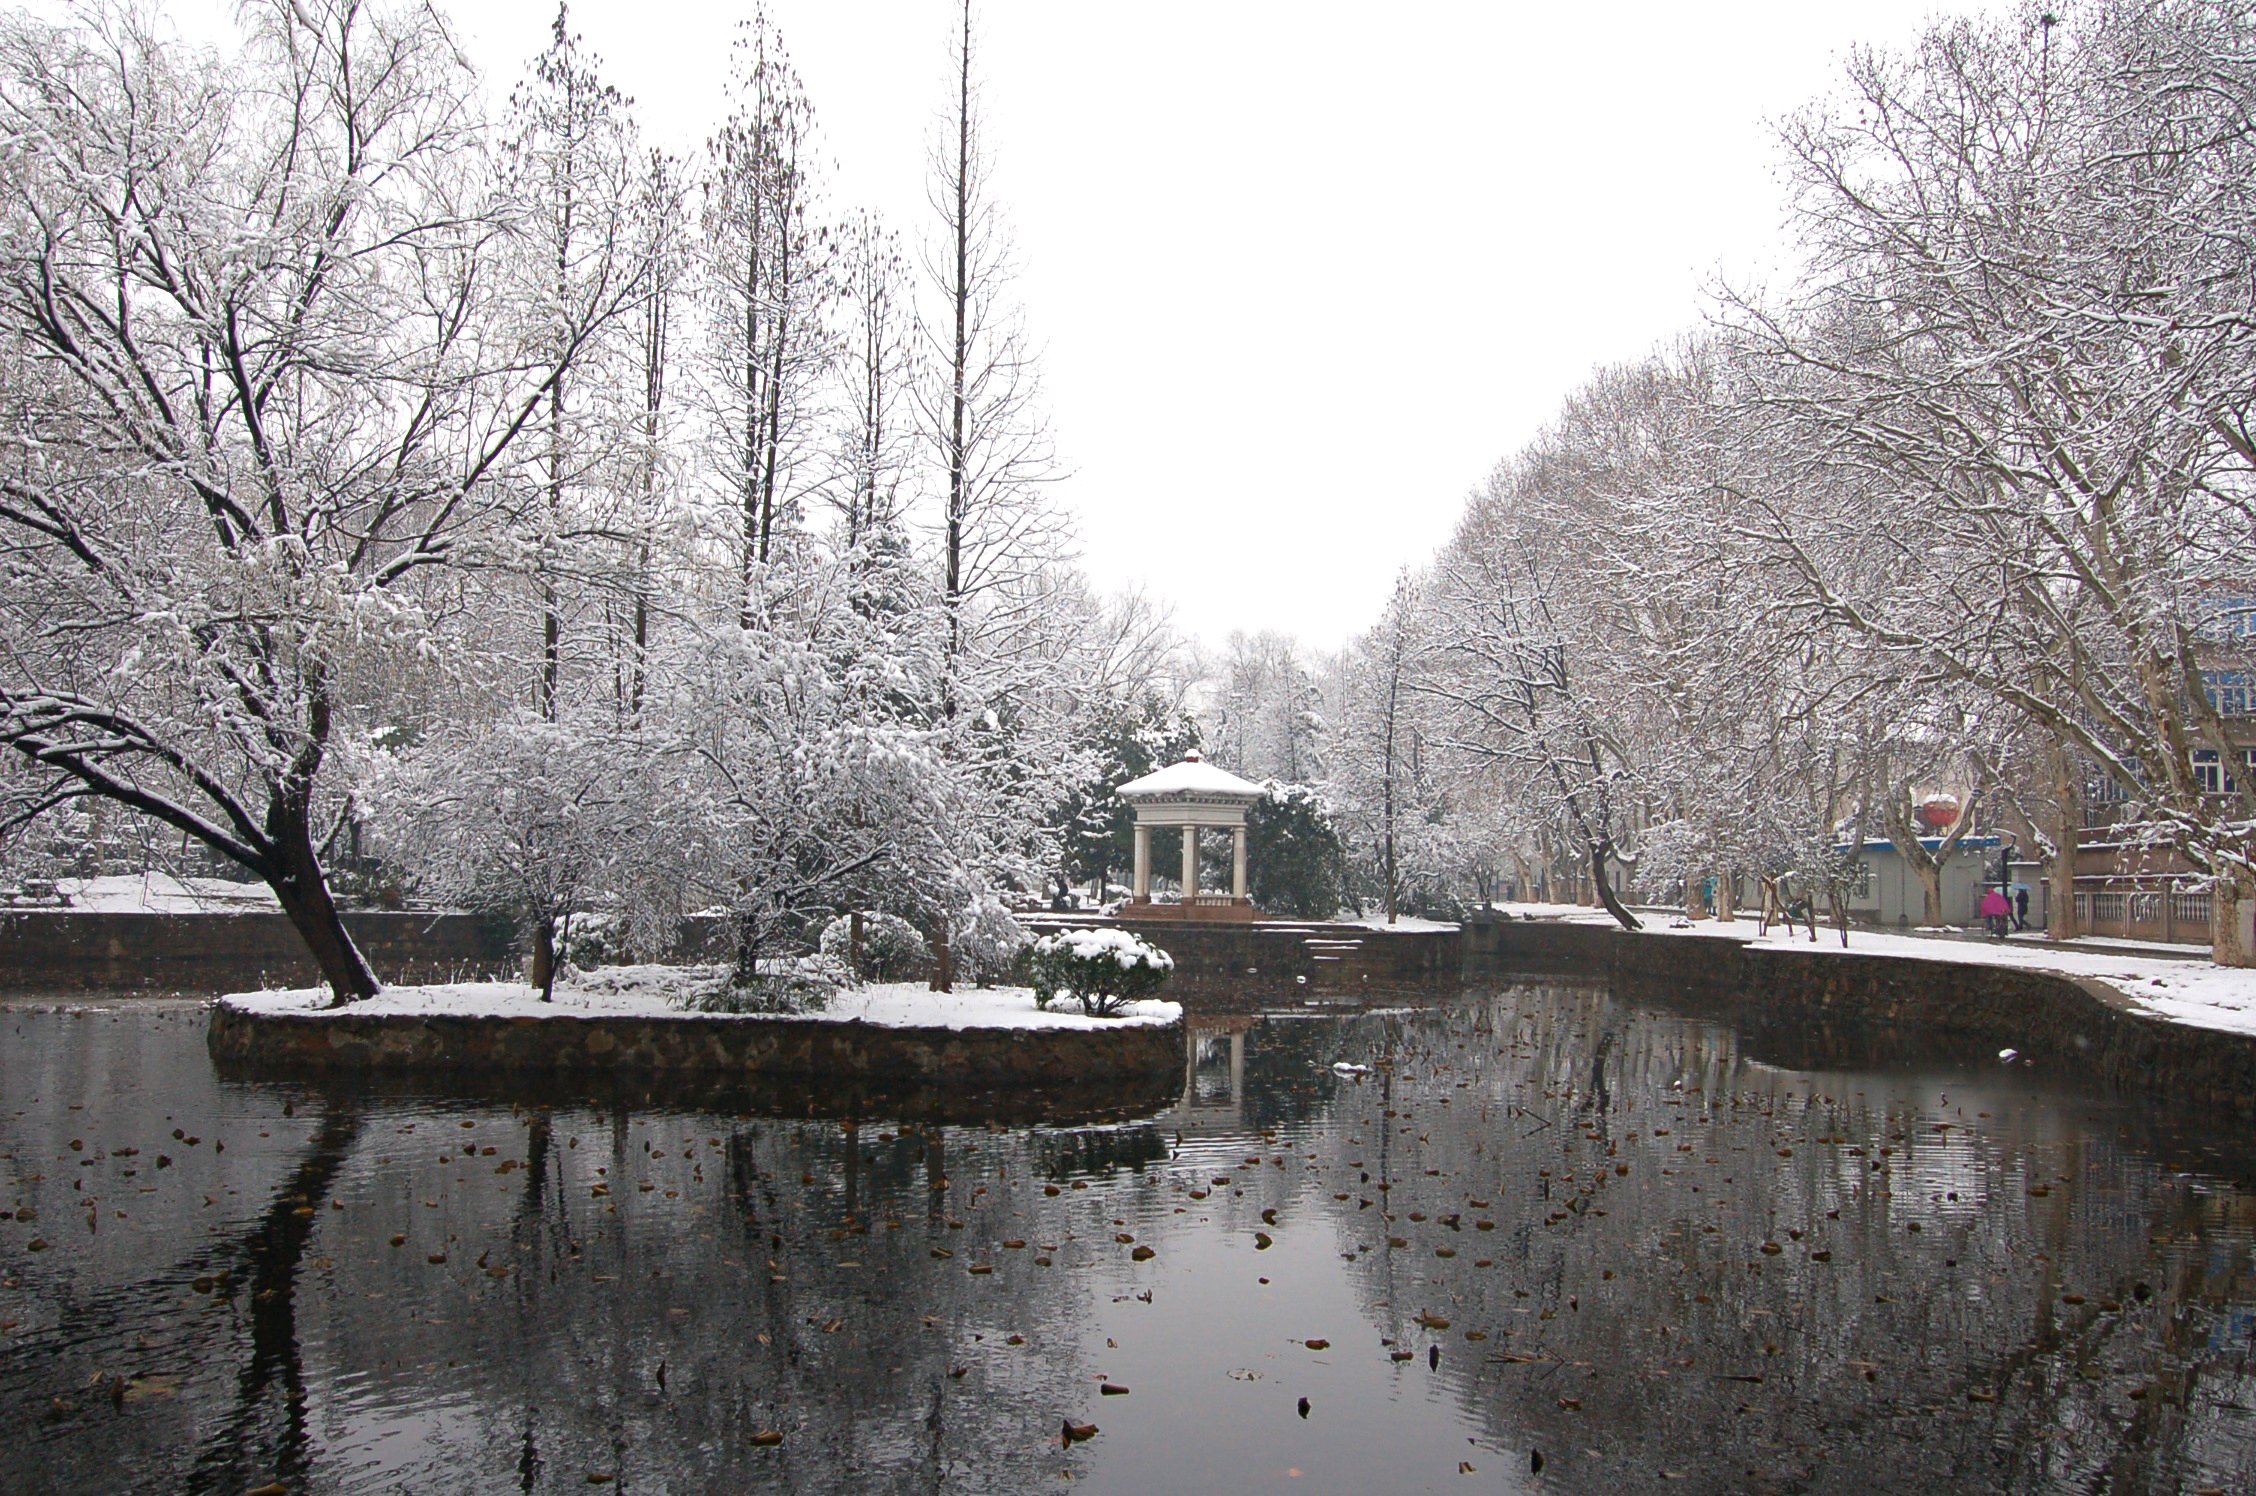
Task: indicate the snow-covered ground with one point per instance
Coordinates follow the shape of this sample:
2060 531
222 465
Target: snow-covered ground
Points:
2199 993
657 991
1404 922
162 893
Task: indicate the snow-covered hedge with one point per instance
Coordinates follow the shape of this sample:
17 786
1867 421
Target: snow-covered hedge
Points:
797 984
984 941
1103 970
892 950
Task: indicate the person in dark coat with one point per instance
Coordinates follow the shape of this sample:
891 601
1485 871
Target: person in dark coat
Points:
2021 907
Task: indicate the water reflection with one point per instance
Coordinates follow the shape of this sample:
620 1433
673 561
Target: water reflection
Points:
1546 1222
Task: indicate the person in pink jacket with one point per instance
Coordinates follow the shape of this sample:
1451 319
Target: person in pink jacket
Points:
1997 911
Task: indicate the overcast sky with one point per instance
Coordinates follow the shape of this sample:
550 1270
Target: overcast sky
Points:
1302 272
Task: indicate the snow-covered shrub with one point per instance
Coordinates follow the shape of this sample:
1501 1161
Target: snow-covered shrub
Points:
1103 970
984 941
800 984
1669 859
892 950
595 938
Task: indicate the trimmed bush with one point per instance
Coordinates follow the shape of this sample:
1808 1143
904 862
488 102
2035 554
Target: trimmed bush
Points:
1103 970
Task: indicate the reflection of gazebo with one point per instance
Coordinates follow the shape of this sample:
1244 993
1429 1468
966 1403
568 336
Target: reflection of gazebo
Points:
1193 795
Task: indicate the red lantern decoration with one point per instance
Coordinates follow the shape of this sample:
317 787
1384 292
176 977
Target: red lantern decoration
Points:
1938 812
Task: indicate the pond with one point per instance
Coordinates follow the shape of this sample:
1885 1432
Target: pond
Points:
1550 1238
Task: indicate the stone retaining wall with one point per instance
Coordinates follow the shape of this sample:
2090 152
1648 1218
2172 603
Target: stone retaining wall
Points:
64 952
2065 1026
846 1053
1235 967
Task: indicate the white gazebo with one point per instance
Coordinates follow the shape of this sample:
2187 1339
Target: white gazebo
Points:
1193 795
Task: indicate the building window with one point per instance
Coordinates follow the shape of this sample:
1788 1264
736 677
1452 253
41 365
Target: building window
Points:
2230 616
2213 781
2227 691
1860 883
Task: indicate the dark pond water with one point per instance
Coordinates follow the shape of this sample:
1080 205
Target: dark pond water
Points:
1553 1241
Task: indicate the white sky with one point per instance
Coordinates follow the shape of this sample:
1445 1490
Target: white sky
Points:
1302 272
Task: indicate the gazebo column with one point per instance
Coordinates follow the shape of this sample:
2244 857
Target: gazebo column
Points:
1190 865
1143 863
1238 863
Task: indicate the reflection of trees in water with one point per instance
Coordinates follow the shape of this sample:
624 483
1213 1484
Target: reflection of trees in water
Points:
1094 1153
263 1436
637 1289
161 1328
774 1276
616 1289
1975 1312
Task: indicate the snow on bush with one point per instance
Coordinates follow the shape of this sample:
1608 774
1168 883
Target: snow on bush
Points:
1103 970
798 984
984 940
892 950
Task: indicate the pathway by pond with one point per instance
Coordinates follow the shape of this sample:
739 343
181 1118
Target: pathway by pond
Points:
1551 1239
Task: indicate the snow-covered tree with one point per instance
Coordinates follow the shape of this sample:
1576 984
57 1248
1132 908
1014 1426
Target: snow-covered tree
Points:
2017 375
262 380
978 399
766 285
539 820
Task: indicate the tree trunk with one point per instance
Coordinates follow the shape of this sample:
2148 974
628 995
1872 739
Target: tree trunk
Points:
1727 903
2061 919
541 972
747 950
943 959
2226 898
1930 894
1600 851
303 893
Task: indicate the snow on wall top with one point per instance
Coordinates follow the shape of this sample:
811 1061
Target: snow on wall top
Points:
1193 776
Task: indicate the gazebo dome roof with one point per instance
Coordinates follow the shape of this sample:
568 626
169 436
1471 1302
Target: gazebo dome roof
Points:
1192 777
